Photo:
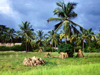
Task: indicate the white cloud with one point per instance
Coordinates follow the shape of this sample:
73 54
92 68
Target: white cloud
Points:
6 9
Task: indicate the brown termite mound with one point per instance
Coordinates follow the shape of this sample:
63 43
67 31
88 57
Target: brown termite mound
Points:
33 61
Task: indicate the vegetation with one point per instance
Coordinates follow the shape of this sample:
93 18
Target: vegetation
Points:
84 39
49 49
26 33
65 14
66 48
11 64
70 39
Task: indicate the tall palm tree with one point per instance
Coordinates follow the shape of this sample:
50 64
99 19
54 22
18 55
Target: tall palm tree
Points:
65 33
11 33
83 37
89 34
98 38
52 38
3 33
40 37
26 32
65 14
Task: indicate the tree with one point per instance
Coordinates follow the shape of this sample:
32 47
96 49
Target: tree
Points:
89 34
40 37
3 33
65 33
76 40
65 14
52 38
26 33
83 37
11 33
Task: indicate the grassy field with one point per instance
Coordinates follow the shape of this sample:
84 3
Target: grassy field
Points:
11 64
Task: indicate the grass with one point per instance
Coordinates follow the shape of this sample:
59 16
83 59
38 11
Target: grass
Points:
11 64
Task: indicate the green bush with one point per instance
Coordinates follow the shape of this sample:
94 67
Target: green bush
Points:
77 48
49 49
66 48
36 50
4 48
94 50
17 48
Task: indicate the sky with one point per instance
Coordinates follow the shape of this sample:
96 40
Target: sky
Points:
13 12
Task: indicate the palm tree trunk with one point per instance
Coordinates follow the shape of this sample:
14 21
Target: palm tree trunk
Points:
55 44
26 47
65 41
74 49
89 45
10 46
89 48
52 47
83 45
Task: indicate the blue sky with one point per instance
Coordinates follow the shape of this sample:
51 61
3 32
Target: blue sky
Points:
13 12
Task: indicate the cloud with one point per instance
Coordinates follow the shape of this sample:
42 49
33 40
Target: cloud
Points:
89 15
38 11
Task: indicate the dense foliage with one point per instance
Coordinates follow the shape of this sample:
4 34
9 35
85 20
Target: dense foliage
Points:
66 48
49 49
4 48
72 36
18 48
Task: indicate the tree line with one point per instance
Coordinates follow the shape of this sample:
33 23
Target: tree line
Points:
70 33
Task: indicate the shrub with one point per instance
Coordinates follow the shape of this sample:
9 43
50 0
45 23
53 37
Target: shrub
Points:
36 50
77 48
66 48
17 48
49 49
94 50
4 48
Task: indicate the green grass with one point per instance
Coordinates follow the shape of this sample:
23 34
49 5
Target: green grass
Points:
11 64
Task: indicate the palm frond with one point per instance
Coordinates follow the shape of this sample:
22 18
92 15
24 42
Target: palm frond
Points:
54 19
60 4
57 26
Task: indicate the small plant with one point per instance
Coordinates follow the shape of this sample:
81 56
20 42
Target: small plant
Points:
66 48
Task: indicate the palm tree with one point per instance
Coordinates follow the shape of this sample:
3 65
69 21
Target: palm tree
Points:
52 38
83 37
40 37
89 34
98 38
65 33
26 32
11 33
3 33
75 39
65 13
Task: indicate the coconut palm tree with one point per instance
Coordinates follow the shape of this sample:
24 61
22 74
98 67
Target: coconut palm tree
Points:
11 33
89 34
65 14
52 38
40 37
3 33
83 37
65 33
26 32
97 38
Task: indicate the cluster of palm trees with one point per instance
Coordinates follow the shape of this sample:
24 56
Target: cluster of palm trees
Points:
70 32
